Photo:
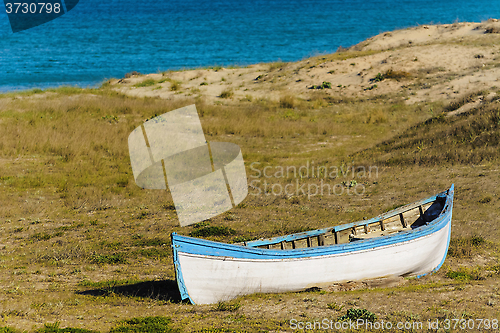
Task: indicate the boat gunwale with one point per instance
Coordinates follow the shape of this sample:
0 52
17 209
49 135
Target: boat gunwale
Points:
370 243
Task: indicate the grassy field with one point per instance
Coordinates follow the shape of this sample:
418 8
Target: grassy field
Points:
83 248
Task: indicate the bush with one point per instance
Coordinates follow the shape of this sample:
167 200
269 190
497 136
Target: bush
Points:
117 258
390 74
324 85
355 314
378 78
7 330
465 247
228 93
287 102
175 86
225 306
54 328
465 274
145 325
212 231
129 75
145 83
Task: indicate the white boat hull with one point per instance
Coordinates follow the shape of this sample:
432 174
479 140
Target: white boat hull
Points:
210 279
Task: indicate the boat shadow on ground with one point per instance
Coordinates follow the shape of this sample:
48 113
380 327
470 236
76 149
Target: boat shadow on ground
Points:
165 290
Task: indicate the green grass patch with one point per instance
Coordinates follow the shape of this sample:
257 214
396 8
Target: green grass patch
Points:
391 74
324 85
54 328
228 93
175 86
157 241
145 325
465 274
7 330
227 306
112 259
154 253
241 239
46 236
107 283
68 90
335 306
145 83
212 231
355 314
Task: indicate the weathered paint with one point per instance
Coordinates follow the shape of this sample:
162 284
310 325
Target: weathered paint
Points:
217 271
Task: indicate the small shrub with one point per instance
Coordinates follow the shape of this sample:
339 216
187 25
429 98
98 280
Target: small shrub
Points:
175 86
287 102
228 93
204 84
112 259
465 247
334 306
157 241
391 74
145 325
492 30
201 224
7 330
227 306
355 314
54 328
465 274
241 239
145 83
168 206
110 119
485 199
276 65
165 79
154 253
45 236
212 231
378 78
129 75
376 117
324 85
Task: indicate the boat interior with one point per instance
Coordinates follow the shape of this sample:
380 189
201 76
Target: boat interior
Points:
398 220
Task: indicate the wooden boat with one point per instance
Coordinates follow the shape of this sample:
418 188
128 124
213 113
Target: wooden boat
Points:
408 241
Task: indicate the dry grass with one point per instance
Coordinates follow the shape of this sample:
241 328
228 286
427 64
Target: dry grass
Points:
471 137
287 102
82 245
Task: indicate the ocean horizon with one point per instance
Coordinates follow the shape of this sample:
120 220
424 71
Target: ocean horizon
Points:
97 41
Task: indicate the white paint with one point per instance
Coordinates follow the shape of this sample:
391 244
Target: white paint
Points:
210 279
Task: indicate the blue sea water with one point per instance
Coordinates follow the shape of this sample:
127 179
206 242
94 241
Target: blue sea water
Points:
103 39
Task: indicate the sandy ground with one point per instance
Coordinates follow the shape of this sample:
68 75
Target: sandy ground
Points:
439 61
